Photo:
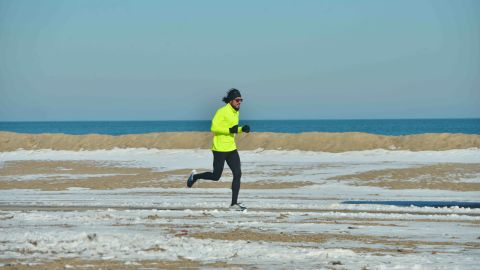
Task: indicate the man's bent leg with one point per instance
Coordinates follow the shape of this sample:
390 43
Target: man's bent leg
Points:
218 163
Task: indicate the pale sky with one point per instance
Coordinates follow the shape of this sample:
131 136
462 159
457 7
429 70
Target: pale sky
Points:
174 60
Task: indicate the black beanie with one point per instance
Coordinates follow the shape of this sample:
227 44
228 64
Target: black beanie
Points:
231 95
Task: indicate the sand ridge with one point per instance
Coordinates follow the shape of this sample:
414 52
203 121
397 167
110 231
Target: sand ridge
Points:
309 141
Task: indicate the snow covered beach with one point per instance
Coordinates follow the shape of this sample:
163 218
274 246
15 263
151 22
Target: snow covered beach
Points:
129 208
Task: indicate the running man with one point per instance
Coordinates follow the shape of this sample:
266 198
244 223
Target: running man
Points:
224 126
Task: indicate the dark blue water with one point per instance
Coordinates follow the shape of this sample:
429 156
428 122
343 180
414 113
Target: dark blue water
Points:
383 127
420 203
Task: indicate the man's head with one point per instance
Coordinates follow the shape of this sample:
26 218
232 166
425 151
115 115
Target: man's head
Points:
234 98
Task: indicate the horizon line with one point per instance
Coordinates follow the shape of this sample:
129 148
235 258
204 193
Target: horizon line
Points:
295 119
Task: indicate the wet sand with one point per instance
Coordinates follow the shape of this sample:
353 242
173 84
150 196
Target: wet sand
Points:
249 235
103 175
449 176
61 175
180 263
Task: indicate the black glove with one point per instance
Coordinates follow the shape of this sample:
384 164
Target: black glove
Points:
234 129
246 128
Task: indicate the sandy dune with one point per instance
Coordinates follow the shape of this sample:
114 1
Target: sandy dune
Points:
310 141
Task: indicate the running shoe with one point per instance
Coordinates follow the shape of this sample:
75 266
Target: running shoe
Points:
190 180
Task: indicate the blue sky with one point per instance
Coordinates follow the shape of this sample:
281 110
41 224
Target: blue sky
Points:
174 60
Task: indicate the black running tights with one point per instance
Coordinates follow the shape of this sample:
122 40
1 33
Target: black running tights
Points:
233 161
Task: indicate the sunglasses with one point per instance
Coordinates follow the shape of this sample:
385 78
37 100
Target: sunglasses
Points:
239 99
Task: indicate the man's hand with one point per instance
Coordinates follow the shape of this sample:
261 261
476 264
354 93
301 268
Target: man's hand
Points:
234 129
246 128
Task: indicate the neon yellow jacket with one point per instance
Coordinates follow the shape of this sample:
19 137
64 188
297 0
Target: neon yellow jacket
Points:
225 118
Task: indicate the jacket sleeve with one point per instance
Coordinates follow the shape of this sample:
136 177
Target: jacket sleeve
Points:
218 127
